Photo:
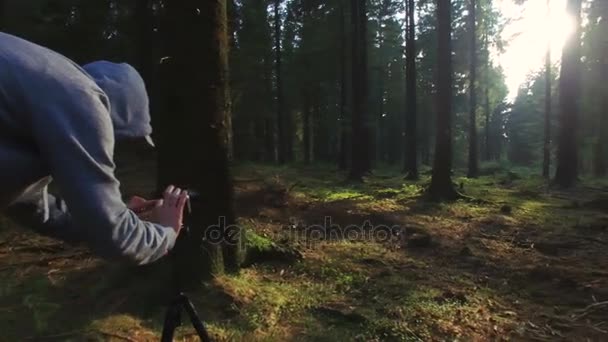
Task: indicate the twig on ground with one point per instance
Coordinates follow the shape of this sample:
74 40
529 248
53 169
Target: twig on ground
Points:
589 309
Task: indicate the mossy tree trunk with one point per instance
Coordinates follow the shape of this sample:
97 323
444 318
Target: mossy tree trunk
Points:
193 137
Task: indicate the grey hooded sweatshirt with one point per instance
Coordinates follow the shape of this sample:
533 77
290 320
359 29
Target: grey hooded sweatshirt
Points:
59 122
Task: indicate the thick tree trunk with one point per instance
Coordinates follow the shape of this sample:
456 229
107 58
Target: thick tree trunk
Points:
411 148
197 103
441 181
567 154
361 137
548 81
473 146
343 158
280 125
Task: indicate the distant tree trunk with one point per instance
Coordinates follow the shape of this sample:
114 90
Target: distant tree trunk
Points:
567 154
196 109
473 171
307 127
411 155
441 181
269 140
343 158
547 141
280 126
487 111
361 139
600 168
427 124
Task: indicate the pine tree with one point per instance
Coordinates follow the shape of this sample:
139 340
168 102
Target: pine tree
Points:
567 154
411 156
548 77
195 76
473 148
441 181
361 142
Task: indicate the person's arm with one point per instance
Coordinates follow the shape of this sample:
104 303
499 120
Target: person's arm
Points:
45 214
73 131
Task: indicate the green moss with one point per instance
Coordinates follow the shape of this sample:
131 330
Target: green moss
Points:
258 242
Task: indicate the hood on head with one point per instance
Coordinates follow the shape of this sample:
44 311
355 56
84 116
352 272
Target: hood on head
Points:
126 91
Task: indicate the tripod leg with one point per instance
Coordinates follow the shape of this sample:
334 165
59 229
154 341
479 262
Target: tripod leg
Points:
172 321
196 321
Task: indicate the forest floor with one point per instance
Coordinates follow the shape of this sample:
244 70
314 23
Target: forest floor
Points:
522 261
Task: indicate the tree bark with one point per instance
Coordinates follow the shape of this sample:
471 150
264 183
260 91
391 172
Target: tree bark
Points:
473 171
548 81
567 154
343 158
279 86
2 14
307 128
361 139
487 111
441 181
600 168
411 155
197 96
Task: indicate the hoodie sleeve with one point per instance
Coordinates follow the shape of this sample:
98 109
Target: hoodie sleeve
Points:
73 130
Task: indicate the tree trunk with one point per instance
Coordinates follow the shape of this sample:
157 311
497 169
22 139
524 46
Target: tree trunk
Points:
487 111
473 171
411 148
269 140
600 168
280 126
441 181
197 98
143 18
307 128
567 154
343 158
361 139
548 81
1 15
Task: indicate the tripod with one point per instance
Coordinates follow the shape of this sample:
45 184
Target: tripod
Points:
173 317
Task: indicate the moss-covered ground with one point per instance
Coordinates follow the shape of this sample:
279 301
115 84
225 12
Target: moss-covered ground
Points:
515 260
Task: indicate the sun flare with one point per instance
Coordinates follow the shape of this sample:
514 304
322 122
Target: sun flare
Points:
529 31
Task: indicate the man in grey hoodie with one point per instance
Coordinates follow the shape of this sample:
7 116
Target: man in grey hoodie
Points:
59 122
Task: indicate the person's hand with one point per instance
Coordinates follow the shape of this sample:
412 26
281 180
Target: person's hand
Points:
144 208
170 213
